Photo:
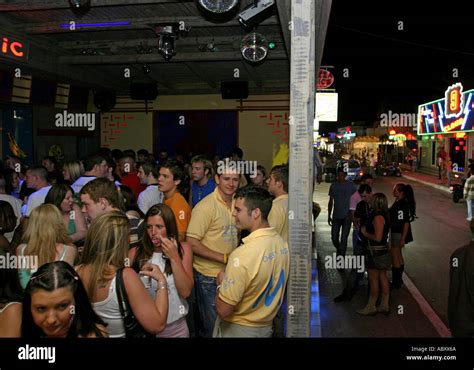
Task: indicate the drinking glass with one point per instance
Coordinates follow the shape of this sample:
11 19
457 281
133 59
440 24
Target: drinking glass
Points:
145 279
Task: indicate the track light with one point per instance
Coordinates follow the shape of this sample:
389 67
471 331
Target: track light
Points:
256 13
166 42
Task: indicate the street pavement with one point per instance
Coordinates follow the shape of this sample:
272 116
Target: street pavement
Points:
419 309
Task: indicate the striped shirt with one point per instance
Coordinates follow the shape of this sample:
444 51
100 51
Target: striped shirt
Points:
469 188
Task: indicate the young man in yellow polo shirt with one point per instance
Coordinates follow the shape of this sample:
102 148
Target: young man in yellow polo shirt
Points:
171 175
278 186
252 287
213 236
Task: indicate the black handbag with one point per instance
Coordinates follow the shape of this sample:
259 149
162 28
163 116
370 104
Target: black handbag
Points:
133 329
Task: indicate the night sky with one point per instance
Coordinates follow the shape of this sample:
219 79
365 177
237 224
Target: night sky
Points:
392 69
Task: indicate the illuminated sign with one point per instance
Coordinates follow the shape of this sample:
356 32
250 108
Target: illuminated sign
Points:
398 137
325 79
13 48
449 115
326 107
349 135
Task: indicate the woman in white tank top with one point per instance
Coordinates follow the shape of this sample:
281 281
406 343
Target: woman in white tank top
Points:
161 247
105 251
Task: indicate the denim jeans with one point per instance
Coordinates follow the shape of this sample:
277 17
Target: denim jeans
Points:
469 209
205 287
337 224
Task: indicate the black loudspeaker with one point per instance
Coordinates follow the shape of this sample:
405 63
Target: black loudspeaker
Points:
105 100
143 91
235 90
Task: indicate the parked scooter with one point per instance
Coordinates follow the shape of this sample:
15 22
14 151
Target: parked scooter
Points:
457 189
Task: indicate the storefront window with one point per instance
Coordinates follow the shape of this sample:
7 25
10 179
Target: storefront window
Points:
457 153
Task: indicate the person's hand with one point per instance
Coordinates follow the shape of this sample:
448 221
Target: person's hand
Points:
363 230
329 220
402 243
153 271
169 247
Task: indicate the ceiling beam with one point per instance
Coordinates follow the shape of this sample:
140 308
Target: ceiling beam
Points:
157 58
41 59
154 76
135 24
28 5
153 42
201 74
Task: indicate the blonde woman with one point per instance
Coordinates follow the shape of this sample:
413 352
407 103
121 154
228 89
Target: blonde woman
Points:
46 240
105 252
72 170
376 231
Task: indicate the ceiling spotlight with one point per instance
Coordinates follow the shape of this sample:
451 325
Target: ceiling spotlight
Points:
166 42
254 47
256 13
80 3
146 69
80 7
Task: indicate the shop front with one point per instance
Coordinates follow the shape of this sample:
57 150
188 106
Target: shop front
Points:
446 128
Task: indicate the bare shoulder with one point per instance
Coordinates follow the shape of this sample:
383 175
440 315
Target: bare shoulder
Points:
13 312
129 274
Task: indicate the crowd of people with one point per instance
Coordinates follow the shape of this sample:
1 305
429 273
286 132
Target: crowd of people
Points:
379 234
191 250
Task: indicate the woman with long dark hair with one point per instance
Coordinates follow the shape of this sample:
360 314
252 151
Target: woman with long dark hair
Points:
62 196
56 305
161 246
402 213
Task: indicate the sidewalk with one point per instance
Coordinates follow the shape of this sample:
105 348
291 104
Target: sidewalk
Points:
430 180
407 318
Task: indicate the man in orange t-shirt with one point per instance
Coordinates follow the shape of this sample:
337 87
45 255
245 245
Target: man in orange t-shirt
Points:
171 175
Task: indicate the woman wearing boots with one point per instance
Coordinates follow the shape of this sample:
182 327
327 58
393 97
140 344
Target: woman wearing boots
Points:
402 212
376 232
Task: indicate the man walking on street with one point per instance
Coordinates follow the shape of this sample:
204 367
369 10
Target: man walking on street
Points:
340 194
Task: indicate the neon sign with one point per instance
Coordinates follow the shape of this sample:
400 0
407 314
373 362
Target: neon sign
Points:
13 49
449 115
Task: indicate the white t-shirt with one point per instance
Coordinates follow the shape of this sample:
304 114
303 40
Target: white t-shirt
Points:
355 199
16 205
80 182
149 197
36 199
177 306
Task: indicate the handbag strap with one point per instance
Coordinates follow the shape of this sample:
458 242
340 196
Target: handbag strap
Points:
121 293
